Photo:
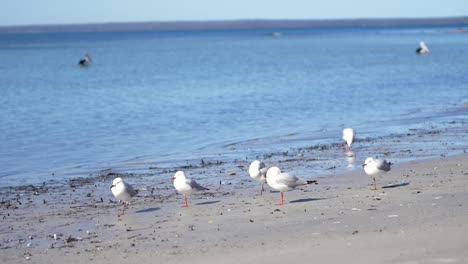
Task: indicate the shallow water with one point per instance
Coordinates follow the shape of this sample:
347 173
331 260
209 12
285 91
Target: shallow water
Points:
152 97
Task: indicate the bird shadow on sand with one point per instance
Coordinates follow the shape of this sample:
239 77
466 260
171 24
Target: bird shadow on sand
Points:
205 203
395 185
147 210
305 200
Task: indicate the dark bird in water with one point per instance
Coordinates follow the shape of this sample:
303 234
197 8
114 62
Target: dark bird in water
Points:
86 61
422 48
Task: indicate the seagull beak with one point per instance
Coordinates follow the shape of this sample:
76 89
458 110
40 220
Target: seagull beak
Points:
363 165
112 186
173 178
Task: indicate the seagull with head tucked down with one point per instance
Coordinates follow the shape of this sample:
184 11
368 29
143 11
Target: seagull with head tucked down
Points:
257 171
348 138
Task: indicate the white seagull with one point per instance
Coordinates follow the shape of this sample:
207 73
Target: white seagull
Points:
376 167
422 48
257 171
284 181
348 138
122 191
186 186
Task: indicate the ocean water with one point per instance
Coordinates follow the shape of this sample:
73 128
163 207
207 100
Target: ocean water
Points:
167 97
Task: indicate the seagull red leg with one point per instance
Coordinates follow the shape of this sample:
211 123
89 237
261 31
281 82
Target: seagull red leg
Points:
186 201
123 210
375 184
282 199
261 189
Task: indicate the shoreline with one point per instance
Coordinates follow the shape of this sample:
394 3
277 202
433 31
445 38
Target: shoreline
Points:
420 222
323 156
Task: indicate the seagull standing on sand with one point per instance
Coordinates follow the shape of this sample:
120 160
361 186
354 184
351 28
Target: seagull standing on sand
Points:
422 48
85 62
122 191
284 181
348 138
376 167
257 171
186 186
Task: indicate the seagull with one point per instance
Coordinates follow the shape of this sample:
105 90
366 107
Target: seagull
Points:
422 48
376 167
122 191
257 171
284 182
186 186
85 62
348 138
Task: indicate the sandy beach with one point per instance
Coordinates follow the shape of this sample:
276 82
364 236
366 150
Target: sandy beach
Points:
419 217
90 96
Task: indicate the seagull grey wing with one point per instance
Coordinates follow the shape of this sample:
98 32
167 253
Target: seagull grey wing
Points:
132 192
263 171
288 180
305 182
195 185
381 164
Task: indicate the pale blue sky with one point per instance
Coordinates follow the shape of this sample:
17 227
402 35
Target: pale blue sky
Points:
27 12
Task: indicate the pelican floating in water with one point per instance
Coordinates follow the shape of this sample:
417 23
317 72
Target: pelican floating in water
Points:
422 48
85 61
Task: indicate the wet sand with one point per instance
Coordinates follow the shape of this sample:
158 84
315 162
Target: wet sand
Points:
420 218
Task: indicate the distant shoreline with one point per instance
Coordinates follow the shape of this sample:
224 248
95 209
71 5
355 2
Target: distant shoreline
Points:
231 24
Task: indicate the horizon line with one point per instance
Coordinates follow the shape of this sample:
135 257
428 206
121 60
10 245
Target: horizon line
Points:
230 24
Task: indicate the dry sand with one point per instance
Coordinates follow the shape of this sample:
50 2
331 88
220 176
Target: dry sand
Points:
422 219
